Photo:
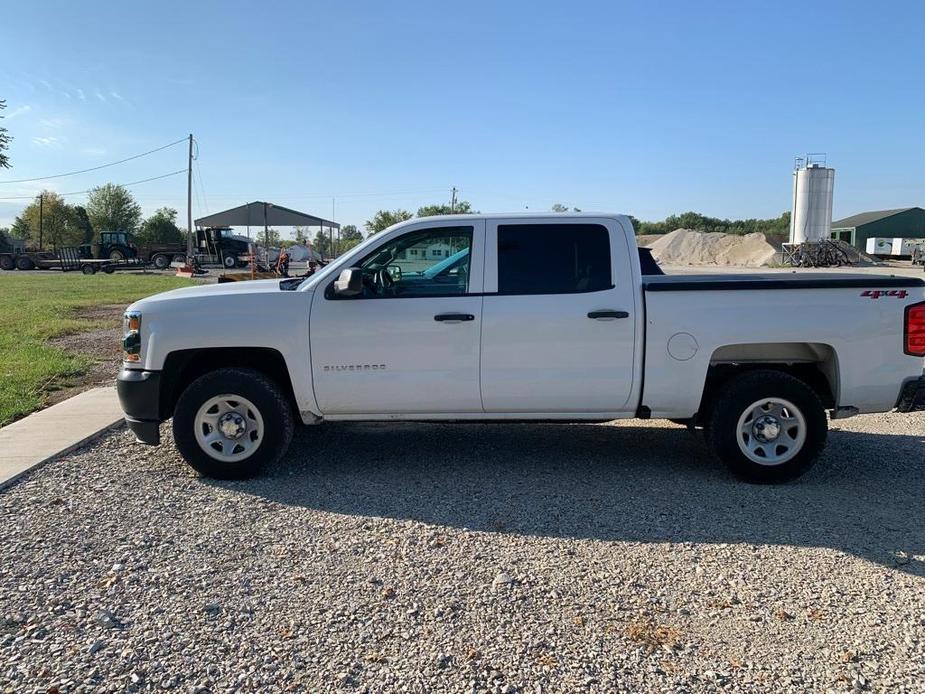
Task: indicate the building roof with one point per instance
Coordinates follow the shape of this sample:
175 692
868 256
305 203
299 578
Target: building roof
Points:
260 213
867 217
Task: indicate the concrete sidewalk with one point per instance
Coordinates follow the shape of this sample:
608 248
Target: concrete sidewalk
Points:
61 428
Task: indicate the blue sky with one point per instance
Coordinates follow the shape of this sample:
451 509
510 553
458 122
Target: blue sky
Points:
647 108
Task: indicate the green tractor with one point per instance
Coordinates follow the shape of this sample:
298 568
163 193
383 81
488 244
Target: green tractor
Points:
111 245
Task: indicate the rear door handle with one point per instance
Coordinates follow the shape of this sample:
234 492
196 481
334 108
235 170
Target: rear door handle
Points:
608 315
454 317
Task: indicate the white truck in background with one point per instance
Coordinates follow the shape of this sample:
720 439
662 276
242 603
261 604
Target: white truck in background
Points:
513 317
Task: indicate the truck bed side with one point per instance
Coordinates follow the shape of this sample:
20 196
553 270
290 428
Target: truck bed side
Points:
848 327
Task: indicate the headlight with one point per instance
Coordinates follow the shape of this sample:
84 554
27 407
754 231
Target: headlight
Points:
131 336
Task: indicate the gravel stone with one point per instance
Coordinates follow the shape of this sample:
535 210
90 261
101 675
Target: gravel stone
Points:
389 557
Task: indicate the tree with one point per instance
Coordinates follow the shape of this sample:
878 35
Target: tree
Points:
5 140
112 208
270 237
60 224
160 227
82 222
559 207
386 218
462 207
322 244
350 236
301 235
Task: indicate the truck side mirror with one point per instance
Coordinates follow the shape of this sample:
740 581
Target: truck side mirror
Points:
349 283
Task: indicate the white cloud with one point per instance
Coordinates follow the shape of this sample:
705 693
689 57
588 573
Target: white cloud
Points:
52 123
116 96
81 95
93 151
99 95
18 111
49 142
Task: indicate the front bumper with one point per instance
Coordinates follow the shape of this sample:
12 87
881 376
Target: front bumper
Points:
139 395
912 395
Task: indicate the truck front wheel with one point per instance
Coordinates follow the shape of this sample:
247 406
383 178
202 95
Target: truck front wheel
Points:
230 423
768 426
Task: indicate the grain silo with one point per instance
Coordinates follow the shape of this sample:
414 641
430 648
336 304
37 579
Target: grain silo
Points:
813 184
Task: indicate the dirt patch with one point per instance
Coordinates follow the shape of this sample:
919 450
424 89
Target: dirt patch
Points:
99 346
104 312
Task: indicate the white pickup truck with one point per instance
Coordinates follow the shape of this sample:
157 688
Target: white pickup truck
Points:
512 317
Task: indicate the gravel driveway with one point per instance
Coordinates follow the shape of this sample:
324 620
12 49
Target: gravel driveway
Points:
462 557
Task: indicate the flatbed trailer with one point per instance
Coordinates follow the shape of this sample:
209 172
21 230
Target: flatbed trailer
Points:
66 260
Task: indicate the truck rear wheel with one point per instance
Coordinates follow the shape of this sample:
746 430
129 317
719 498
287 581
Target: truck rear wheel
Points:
768 426
230 423
230 261
24 263
161 261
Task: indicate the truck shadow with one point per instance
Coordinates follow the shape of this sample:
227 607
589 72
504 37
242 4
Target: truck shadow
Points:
657 483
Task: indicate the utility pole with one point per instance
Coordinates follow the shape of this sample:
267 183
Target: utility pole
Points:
453 201
41 204
189 199
332 227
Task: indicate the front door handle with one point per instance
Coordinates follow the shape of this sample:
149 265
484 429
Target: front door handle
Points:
454 317
608 315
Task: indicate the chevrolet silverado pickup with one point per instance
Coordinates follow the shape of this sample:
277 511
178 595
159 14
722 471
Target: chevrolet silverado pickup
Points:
511 317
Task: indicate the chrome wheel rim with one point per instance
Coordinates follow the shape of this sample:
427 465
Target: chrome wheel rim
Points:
771 431
229 428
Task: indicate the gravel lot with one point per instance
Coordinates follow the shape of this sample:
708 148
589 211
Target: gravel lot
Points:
527 558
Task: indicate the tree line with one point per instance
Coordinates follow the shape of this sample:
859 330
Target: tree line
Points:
694 220
51 222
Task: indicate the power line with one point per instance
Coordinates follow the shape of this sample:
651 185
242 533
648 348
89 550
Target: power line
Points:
82 192
95 168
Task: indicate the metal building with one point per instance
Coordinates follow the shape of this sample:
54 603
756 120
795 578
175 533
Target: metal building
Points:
906 222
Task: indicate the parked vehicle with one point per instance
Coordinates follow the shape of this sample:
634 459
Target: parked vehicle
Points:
111 245
222 246
545 318
114 247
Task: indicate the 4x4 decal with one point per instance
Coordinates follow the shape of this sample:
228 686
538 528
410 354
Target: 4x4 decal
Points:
877 293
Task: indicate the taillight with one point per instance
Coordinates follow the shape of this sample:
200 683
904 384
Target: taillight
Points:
914 330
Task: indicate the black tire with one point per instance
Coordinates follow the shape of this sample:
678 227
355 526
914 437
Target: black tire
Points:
7 262
179 259
108 270
24 263
272 407
737 397
230 261
161 261
88 270
116 255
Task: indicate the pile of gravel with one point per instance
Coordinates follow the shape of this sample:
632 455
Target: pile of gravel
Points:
688 247
515 558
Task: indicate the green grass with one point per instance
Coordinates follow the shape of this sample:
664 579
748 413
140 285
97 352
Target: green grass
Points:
34 308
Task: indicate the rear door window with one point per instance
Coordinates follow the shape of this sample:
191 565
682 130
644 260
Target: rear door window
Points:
553 258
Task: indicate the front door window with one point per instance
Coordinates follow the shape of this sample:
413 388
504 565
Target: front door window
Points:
427 262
